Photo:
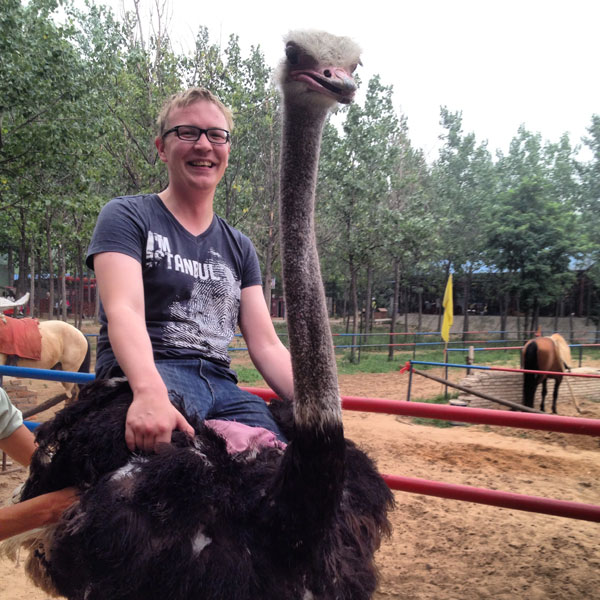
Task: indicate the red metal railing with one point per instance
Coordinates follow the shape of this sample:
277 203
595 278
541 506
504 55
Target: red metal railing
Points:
549 506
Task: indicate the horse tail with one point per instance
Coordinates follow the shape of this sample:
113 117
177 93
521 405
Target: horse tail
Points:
530 361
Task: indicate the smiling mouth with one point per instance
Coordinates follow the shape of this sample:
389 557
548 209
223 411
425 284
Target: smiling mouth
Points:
200 163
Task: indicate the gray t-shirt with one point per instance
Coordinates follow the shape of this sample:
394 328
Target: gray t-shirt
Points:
192 284
10 417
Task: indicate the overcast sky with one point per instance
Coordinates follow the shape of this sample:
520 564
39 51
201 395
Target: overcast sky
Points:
503 64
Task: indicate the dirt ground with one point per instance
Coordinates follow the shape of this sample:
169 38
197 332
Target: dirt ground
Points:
449 550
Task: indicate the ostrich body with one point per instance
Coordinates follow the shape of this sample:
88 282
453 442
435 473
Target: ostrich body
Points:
193 521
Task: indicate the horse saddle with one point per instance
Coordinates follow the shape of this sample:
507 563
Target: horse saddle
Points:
21 338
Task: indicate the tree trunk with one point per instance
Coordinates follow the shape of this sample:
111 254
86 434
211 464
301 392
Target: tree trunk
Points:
10 266
467 301
32 297
439 304
394 308
419 308
23 256
368 303
41 293
347 295
78 316
354 305
62 282
588 303
518 309
50 268
405 307
535 315
89 292
267 290
97 307
504 315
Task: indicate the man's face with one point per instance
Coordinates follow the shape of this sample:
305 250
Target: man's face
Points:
196 165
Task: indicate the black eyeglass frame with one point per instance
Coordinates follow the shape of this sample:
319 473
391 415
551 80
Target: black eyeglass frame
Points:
200 131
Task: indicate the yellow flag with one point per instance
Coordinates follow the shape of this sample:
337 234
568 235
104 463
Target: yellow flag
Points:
448 310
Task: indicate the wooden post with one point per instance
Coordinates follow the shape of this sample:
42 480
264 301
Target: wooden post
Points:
408 389
470 358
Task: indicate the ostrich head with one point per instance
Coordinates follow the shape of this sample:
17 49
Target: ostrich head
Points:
318 68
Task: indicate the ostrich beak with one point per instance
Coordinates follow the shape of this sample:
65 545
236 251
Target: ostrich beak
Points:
335 82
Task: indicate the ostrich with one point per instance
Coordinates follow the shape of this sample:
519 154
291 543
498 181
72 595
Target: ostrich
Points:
195 521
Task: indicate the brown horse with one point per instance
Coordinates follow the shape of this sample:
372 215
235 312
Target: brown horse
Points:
63 346
544 354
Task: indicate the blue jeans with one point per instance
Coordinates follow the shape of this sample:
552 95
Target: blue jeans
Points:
210 391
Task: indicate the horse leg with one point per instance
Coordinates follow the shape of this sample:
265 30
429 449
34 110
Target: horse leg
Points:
75 358
555 395
544 392
69 391
530 380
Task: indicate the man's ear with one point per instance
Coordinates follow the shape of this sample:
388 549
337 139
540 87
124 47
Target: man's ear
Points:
160 146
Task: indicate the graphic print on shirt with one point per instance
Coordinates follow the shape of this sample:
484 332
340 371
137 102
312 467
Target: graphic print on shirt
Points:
206 319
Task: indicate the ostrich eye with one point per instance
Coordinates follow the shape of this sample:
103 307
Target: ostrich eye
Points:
292 53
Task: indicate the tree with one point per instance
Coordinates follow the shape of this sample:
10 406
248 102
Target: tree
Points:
589 222
464 189
407 222
41 85
354 182
530 240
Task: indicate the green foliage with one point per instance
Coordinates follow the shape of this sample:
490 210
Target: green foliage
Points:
531 232
78 99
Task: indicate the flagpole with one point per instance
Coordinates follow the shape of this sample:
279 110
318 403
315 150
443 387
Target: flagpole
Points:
446 370
446 324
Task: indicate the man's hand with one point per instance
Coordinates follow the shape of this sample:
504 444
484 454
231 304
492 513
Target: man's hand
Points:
151 419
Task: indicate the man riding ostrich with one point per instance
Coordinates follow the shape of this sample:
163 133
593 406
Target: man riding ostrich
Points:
193 520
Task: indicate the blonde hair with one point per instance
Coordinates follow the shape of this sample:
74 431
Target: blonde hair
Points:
190 96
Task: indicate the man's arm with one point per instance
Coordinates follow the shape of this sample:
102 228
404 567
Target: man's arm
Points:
15 439
267 352
151 417
36 512
20 445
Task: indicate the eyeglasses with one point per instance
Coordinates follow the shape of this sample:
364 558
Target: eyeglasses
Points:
191 133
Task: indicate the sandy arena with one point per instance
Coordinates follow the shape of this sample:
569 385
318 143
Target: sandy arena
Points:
444 549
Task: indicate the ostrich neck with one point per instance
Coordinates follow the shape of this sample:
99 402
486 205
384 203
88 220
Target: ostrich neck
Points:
316 392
